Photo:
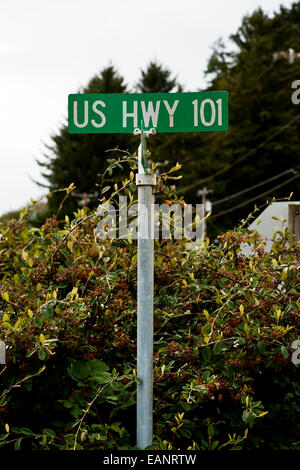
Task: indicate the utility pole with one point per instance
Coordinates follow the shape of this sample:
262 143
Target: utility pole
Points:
85 197
291 55
204 192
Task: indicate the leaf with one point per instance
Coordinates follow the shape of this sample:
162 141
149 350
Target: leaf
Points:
7 428
70 245
30 353
261 347
211 430
206 354
48 310
70 188
38 322
284 352
218 347
42 338
206 376
26 431
101 378
214 445
5 296
129 238
43 355
82 370
264 413
284 274
206 314
17 444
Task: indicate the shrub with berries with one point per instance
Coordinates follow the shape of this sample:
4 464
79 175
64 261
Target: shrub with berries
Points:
224 328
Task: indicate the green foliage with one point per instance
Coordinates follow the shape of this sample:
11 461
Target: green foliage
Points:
155 79
262 140
224 326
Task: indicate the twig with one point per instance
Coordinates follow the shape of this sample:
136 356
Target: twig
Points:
100 390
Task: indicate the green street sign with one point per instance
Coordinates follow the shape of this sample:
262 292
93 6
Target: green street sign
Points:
165 112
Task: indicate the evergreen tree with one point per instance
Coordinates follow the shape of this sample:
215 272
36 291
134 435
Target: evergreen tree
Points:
264 125
79 158
156 79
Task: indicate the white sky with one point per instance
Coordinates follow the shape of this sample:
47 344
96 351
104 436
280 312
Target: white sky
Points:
50 48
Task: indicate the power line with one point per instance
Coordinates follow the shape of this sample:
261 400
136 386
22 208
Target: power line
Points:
291 55
242 158
231 209
262 183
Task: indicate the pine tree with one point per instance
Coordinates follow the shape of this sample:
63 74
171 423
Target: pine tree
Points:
156 79
264 125
79 158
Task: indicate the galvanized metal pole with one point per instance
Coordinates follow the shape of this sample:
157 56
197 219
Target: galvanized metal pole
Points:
145 286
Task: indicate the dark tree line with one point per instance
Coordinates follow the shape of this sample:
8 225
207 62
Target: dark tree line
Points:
264 126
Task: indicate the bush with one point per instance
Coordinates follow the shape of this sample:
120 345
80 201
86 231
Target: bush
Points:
224 328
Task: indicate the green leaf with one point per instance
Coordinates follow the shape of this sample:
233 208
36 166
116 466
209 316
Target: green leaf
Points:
101 378
30 353
17 444
38 322
206 375
261 347
48 310
43 354
26 431
218 347
48 432
242 341
284 352
210 430
206 354
214 445
83 370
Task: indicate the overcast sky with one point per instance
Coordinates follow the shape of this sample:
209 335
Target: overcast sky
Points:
50 48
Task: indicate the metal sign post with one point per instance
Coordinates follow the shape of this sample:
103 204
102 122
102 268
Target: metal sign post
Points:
93 113
145 277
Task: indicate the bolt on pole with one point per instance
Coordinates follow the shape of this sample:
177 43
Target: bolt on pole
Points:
145 290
